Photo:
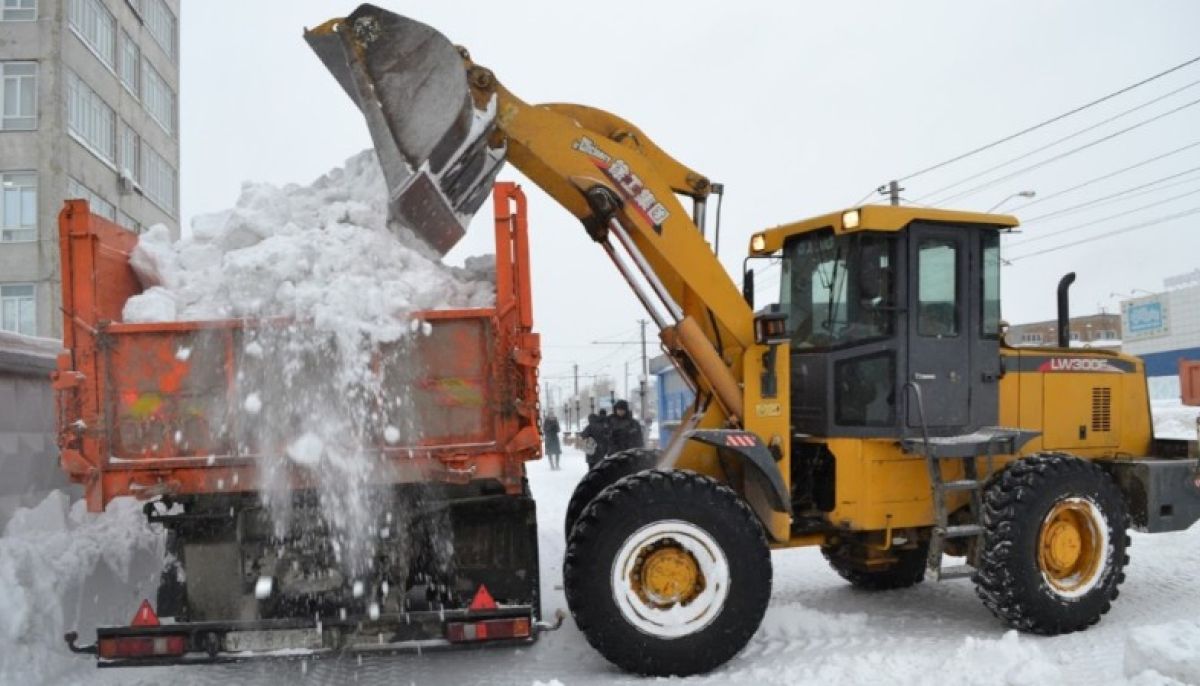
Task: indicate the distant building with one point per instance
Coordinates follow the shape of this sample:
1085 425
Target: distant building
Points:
88 109
674 397
1164 328
1092 331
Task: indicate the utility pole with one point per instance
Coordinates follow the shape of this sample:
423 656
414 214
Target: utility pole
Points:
645 373
576 397
893 191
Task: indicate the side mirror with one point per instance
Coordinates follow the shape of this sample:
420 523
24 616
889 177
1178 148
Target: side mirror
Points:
770 326
748 286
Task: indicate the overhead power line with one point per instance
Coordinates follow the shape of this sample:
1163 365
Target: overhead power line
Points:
1101 220
1126 229
1131 192
1068 153
1104 177
1061 140
1052 120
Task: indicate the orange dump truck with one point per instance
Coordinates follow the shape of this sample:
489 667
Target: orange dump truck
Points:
151 410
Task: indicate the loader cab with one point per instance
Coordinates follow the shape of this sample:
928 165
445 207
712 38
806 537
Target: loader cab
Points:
878 300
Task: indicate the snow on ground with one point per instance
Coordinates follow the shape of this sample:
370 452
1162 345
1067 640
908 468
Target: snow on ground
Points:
1173 419
818 630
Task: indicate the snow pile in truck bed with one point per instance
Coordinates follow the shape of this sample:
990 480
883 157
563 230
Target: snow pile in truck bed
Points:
322 252
63 568
324 256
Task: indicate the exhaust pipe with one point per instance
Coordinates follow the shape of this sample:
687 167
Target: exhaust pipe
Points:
1064 310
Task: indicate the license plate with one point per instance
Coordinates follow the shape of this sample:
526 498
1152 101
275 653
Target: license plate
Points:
273 640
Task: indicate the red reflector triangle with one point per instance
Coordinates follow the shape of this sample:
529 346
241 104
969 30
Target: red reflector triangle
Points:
145 615
483 600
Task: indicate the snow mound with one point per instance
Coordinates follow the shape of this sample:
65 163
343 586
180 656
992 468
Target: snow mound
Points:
322 252
1173 419
1164 652
58 563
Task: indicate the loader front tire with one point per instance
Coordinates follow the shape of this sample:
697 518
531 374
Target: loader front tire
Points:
1054 544
667 573
607 472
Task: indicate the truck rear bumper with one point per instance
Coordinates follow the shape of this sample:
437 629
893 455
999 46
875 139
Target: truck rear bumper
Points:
235 641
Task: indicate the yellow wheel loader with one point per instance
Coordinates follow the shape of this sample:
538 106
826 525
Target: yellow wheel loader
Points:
873 411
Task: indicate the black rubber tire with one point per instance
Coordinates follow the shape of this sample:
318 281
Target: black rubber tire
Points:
1016 502
908 569
609 471
626 507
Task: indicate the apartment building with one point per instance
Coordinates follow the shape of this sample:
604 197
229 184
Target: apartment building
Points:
89 108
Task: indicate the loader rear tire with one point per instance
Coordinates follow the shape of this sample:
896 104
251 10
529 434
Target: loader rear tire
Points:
667 573
908 569
607 472
1054 544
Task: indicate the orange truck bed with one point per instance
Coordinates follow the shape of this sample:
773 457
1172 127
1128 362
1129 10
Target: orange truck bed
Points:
151 409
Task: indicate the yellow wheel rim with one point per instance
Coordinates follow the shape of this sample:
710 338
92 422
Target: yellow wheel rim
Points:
1072 546
667 574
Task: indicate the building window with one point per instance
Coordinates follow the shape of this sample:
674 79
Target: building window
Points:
1031 338
1108 335
128 153
1075 335
96 27
18 311
131 64
162 25
159 179
18 10
18 206
97 205
158 97
90 119
18 97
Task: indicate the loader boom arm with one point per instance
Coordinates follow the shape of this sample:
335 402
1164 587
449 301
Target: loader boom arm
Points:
442 133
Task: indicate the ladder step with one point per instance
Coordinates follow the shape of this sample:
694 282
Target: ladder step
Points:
955 572
962 531
962 485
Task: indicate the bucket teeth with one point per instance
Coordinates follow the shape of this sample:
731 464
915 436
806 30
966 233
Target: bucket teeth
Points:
410 84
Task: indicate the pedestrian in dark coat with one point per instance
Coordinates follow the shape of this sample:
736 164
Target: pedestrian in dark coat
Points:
550 430
624 432
595 436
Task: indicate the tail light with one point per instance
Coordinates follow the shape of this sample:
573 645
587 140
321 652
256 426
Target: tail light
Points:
488 630
143 646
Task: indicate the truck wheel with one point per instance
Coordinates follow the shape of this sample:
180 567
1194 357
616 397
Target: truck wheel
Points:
609 471
1054 544
907 570
667 573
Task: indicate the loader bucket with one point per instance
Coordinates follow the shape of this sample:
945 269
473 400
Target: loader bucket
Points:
410 83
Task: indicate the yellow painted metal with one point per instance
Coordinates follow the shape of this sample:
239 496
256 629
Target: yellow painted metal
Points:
1071 545
772 427
569 149
1068 408
692 342
876 218
667 575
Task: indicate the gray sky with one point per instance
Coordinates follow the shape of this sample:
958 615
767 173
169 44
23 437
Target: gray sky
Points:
799 108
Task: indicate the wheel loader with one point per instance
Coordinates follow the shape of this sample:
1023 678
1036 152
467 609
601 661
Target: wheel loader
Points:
873 410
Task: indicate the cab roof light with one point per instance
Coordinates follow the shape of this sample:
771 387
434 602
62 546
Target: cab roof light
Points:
851 219
758 242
